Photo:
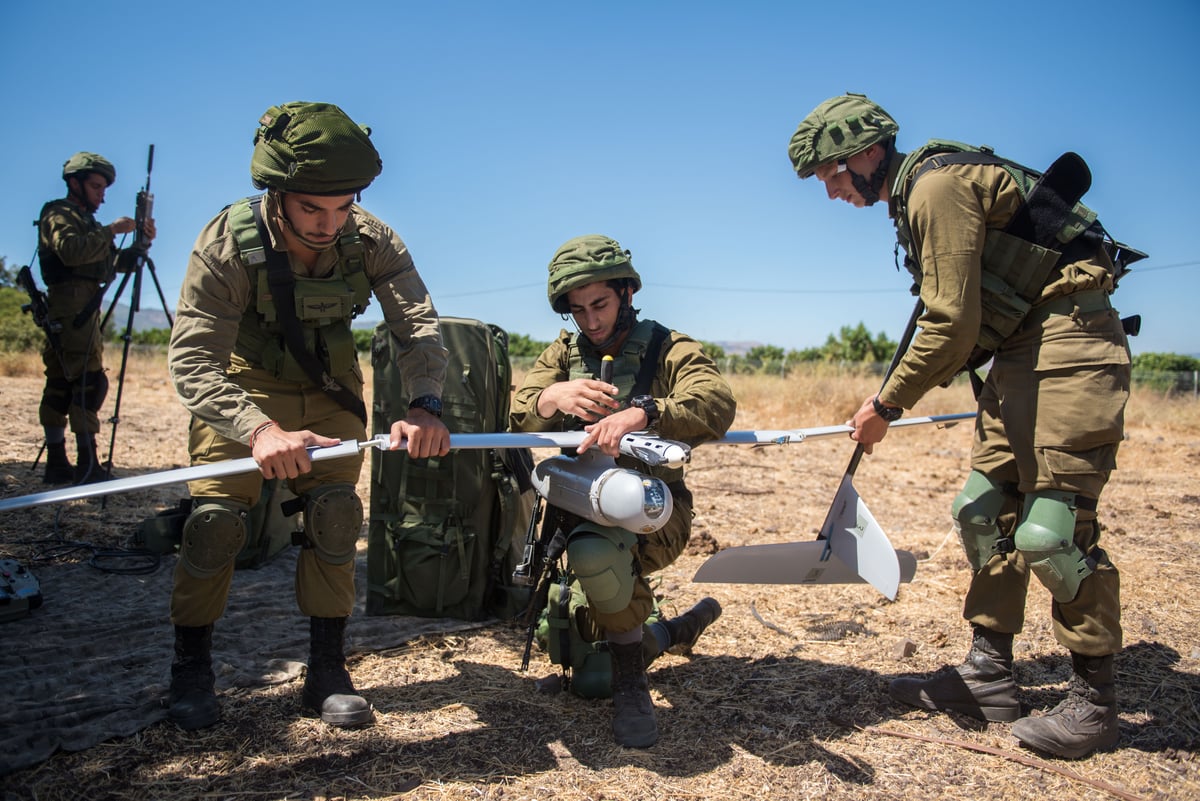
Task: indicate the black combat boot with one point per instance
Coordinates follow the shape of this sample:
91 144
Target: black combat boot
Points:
327 686
981 687
87 467
58 468
1084 721
193 701
634 724
688 627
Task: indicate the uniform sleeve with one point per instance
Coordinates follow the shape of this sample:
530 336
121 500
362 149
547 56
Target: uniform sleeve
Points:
947 213
550 368
73 239
407 308
215 293
696 403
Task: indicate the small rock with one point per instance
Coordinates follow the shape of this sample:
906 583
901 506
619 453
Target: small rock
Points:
904 649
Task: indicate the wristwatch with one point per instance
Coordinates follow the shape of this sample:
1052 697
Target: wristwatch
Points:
430 403
646 404
889 413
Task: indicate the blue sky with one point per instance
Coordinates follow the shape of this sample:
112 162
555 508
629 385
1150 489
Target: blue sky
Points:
506 129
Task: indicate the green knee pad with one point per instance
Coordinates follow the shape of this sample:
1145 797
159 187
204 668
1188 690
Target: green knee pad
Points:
601 557
213 535
333 519
1046 538
975 512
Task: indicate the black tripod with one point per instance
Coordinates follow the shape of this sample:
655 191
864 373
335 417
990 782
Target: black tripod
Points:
139 263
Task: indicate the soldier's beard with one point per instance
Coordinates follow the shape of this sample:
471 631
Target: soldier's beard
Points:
308 243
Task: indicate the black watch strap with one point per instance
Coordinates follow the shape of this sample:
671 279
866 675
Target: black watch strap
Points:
647 404
430 403
889 413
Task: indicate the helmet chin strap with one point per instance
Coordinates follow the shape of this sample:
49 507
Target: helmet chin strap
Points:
79 195
869 187
316 247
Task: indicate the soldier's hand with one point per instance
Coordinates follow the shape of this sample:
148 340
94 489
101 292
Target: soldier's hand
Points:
123 225
284 454
424 435
586 398
608 433
869 427
149 231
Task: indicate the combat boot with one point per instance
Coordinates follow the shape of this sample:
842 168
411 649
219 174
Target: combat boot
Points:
686 629
327 686
193 703
88 469
634 724
981 687
1084 721
58 467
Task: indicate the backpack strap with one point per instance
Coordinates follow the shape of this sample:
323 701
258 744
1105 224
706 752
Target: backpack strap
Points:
283 286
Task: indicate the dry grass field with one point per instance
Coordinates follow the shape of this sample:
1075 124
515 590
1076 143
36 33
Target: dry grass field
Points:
784 697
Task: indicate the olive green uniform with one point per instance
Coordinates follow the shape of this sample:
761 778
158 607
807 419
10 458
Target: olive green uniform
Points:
77 254
696 405
229 395
1051 414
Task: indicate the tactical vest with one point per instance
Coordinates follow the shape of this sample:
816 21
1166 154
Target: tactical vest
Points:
583 361
54 270
1014 270
324 306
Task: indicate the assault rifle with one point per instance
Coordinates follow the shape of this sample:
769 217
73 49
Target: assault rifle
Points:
539 563
144 209
38 308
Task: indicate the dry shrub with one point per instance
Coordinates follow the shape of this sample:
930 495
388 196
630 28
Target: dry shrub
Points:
20 364
1155 409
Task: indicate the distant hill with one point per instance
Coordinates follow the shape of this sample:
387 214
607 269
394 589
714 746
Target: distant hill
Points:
737 348
147 318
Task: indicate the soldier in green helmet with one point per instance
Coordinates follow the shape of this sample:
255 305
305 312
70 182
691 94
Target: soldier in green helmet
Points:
78 260
1010 266
263 357
663 382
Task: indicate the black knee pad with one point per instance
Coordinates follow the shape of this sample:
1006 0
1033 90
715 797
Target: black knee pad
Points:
93 390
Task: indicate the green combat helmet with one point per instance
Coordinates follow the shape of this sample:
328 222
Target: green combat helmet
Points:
837 129
585 260
89 162
313 149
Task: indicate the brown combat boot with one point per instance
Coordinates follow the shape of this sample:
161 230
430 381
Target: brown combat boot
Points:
634 724
981 687
1084 721
193 702
327 686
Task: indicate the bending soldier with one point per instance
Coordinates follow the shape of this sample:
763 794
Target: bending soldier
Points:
263 357
78 259
1017 269
662 381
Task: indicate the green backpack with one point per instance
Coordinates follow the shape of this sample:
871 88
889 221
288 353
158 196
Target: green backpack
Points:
445 533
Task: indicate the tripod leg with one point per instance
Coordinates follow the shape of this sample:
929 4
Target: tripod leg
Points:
161 298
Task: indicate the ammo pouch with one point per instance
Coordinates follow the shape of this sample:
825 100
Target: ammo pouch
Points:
1014 270
567 633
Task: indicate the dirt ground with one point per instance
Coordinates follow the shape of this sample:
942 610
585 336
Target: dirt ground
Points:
785 695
